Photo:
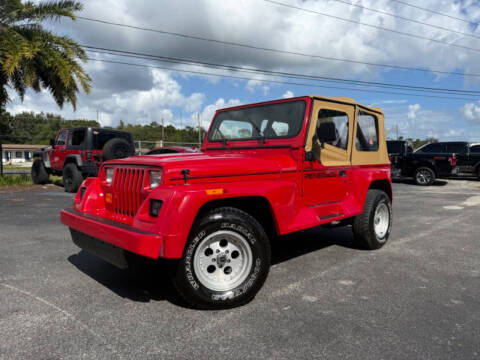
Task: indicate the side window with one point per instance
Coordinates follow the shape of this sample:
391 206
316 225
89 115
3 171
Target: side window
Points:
409 149
340 119
457 148
432 148
62 137
475 149
367 132
77 138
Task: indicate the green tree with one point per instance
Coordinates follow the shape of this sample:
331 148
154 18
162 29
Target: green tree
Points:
32 57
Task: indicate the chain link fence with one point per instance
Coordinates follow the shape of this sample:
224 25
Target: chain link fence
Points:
141 147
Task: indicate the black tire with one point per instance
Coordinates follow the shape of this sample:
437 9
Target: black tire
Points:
72 178
364 224
424 176
218 223
117 148
39 172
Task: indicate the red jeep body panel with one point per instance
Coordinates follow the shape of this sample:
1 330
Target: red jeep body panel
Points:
298 195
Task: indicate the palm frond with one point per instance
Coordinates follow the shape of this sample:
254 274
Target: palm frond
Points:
33 57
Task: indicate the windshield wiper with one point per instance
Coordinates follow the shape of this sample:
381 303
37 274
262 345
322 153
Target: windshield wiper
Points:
224 139
257 129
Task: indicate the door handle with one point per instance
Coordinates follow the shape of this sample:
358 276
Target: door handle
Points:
342 173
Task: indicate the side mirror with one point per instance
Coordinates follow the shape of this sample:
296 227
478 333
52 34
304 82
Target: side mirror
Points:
52 143
326 132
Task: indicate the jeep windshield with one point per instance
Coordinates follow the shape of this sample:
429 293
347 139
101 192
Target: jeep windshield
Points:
271 121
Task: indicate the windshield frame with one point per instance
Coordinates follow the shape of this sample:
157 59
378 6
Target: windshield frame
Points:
213 124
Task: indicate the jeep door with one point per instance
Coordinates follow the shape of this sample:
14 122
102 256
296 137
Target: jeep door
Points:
58 153
326 175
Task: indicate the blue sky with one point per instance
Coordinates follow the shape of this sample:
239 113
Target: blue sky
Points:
141 95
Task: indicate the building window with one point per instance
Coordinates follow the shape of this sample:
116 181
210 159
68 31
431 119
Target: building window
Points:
18 155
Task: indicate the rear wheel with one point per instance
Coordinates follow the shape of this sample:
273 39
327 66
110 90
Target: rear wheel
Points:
226 260
72 178
371 228
39 172
424 176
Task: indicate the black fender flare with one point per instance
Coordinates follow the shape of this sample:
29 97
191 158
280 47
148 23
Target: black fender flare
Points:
44 156
74 158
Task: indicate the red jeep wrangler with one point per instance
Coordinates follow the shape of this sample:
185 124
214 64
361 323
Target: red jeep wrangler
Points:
76 154
266 170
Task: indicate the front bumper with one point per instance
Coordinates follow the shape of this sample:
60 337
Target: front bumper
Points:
119 235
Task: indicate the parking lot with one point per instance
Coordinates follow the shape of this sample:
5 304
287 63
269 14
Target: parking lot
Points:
416 298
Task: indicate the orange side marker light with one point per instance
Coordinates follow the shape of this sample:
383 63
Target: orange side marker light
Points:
214 191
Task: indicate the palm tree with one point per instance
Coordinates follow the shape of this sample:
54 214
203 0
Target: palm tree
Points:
32 57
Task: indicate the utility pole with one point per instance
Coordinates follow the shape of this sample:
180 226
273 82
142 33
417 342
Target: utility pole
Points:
163 131
97 115
396 126
1 157
199 130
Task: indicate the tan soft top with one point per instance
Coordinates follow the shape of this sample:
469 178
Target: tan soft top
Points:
346 100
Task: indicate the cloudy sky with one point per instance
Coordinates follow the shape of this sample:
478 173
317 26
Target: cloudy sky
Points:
137 94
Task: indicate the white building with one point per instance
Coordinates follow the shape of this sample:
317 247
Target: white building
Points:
19 153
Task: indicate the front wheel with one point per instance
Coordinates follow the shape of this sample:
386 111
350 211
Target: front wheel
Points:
372 227
72 178
424 176
225 262
39 172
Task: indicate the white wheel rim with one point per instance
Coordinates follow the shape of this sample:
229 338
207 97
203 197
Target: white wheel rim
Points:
381 220
222 261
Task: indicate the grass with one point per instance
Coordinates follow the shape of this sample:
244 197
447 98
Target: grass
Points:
56 180
10 180
16 167
26 179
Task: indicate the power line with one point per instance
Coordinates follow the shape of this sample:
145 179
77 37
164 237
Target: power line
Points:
278 51
407 19
435 12
275 73
373 26
278 81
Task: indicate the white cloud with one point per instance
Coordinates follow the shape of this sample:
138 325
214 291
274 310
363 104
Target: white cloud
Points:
412 111
471 112
137 95
288 94
209 110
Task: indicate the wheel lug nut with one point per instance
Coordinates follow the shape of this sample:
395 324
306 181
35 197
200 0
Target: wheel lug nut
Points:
228 260
218 251
213 260
226 251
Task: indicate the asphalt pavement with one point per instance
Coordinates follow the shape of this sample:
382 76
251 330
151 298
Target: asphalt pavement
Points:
416 298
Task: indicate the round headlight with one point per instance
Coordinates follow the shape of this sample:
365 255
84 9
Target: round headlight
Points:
155 178
109 175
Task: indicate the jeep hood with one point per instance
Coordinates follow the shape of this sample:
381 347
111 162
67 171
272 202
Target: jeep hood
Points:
202 165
